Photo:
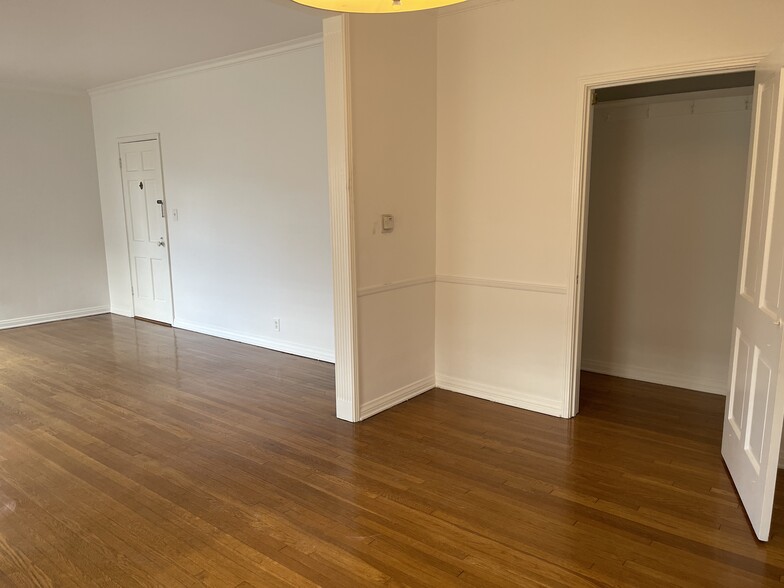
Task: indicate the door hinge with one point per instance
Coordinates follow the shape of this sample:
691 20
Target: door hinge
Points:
593 97
120 162
132 293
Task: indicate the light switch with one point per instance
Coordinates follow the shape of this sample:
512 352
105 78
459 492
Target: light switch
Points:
387 223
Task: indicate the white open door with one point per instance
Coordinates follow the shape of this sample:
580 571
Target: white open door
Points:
754 413
145 216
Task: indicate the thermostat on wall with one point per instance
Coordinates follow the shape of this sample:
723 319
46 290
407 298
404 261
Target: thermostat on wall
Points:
387 223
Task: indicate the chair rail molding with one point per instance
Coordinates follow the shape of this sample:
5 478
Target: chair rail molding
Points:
504 284
398 285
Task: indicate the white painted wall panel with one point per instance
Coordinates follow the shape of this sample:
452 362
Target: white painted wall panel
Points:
393 82
395 329
508 91
51 242
245 165
493 335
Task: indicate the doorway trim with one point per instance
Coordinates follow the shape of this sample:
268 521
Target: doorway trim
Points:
337 77
138 139
580 186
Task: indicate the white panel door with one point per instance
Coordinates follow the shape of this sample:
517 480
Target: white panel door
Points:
754 413
145 217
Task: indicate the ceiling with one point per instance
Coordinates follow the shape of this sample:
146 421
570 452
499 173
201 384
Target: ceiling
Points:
82 44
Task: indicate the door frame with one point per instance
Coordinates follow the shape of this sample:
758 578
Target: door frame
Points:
578 226
140 139
337 78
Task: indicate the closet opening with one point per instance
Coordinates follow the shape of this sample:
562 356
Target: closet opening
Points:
664 218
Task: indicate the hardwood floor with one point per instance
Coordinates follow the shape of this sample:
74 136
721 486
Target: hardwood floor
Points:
134 454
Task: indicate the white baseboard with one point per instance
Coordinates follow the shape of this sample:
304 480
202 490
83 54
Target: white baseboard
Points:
390 399
662 377
52 317
122 311
284 346
511 397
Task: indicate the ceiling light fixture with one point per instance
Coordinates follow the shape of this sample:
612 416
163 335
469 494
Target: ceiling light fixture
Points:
377 6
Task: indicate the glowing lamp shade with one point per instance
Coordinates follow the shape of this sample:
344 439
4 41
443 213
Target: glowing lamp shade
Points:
377 6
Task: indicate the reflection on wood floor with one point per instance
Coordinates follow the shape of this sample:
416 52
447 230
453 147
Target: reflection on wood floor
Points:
135 454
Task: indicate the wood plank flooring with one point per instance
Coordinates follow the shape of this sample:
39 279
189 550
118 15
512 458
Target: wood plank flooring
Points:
137 455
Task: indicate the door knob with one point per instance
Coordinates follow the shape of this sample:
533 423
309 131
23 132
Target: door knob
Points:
777 323
161 243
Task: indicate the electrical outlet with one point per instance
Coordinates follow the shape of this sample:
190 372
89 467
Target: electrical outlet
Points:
276 324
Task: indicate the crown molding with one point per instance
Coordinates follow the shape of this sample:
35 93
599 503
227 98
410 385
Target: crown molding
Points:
230 60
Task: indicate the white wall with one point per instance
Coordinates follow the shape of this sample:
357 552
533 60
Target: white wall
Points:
668 178
52 264
393 97
507 119
244 160
508 91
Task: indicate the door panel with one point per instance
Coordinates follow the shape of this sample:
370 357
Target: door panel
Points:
758 400
149 160
144 283
773 265
758 178
160 280
133 161
139 225
738 389
147 230
755 406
